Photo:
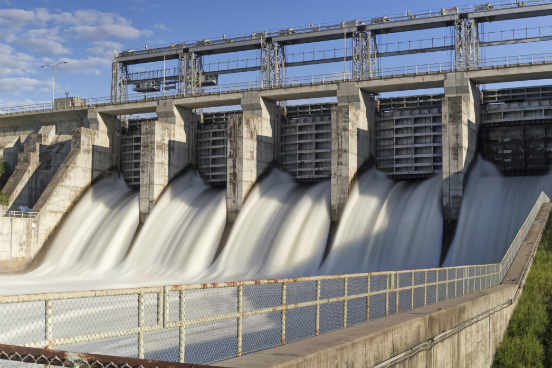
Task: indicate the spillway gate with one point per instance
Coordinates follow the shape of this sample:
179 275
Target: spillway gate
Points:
306 141
516 131
408 136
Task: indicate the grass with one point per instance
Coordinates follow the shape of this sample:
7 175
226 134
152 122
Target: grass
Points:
528 339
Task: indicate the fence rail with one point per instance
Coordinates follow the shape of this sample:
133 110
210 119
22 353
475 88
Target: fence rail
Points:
56 358
200 323
23 214
386 72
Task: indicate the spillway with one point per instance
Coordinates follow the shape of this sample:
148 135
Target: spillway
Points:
493 209
282 231
382 227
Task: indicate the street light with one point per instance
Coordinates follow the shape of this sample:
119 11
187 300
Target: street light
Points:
53 66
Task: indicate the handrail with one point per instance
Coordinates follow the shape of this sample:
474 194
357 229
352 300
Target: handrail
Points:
387 72
187 309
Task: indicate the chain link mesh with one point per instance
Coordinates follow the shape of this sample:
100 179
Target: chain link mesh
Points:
212 322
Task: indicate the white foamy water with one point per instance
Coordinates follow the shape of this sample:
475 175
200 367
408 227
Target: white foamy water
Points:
181 235
93 239
388 225
281 230
493 209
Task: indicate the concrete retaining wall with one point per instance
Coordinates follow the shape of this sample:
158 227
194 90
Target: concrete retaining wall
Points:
89 158
17 236
461 332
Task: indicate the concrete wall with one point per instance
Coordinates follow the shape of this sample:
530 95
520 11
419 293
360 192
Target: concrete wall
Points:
461 332
167 147
353 140
17 236
460 127
22 187
252 146
72 178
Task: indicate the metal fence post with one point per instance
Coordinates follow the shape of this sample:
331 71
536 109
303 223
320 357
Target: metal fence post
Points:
48 333
141 325
412 290
165 306
425 288
446 284
345 293
436 286
240 320
396 285
284 305
317 327
387 295
368 300
182 329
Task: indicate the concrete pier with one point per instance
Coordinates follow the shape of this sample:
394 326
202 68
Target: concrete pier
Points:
167 147
252 146
353 140
89 158
459 132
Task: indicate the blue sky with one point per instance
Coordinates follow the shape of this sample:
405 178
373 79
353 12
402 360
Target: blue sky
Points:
86 33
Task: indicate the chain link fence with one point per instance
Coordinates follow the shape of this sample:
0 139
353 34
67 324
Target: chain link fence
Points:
203 323
20 356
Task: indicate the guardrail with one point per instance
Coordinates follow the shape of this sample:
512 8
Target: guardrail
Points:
201 323
430 13
20 214
388 72
57 358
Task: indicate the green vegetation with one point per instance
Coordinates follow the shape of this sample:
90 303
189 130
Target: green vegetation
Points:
528 339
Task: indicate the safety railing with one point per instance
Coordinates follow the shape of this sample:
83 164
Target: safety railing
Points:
201 323
22 214
21 356
387 72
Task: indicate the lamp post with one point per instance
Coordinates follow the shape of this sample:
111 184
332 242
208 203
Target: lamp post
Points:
53 67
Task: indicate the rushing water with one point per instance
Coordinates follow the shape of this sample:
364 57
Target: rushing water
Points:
282 231
493 209
382 227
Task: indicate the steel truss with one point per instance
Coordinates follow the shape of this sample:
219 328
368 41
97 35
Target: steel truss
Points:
272 64
190 73
466 43
364 60
119 82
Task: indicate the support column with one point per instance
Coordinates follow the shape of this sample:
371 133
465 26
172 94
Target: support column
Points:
111 126
460 126
167 147
353 140
252 146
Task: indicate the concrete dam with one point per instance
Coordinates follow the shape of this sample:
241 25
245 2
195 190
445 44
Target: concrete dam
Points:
155 208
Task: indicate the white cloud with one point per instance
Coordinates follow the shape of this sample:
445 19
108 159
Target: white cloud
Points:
104 48
21 84
45 41
14 63
106 32
15 17
90 65
89 25
161 27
